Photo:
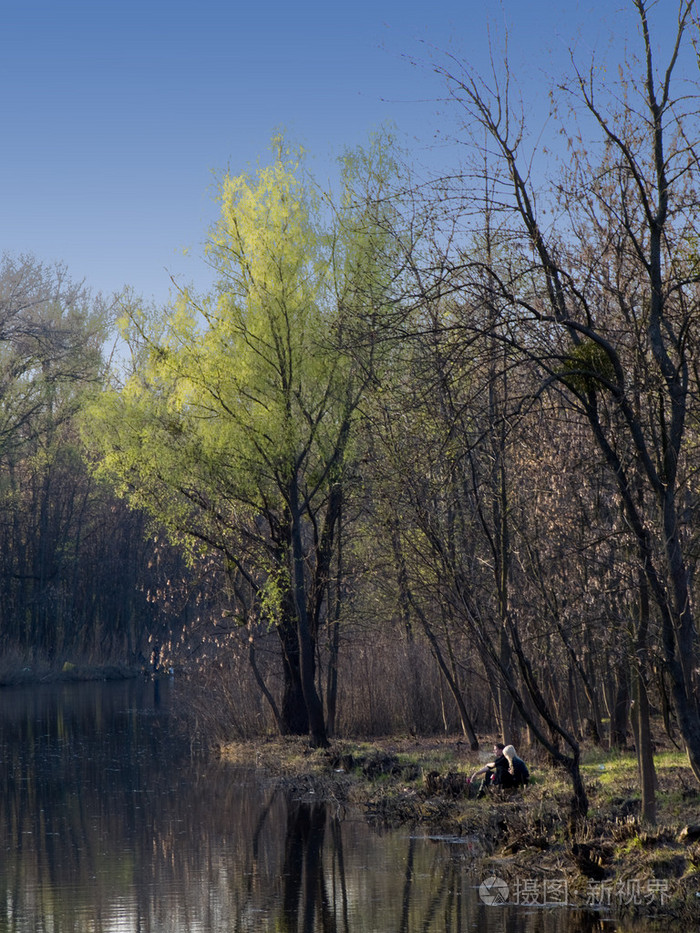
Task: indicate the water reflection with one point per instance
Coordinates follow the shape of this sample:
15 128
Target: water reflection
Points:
110 822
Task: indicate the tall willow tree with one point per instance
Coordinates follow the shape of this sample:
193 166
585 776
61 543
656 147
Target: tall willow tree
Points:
235 424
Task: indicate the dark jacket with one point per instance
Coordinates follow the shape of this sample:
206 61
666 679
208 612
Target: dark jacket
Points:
499 771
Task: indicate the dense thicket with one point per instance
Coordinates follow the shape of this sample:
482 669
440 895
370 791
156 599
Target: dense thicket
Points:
600 309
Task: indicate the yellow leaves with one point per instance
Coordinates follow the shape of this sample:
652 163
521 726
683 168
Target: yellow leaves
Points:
234 393
265 244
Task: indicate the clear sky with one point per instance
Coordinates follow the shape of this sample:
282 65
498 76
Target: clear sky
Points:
117 116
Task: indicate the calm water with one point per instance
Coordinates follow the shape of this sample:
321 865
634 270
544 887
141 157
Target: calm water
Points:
109 822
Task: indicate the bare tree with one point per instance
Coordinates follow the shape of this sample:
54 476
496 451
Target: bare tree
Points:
605 302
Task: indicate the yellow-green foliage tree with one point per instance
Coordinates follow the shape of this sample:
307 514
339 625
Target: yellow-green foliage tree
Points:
235 425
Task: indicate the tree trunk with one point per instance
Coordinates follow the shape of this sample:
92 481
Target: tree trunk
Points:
294 717
260 680
579 801
642 741
307 659
619 714
640 711
334 645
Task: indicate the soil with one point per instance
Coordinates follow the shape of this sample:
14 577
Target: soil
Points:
610 860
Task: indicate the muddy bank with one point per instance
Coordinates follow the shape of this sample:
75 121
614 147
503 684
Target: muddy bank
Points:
612 861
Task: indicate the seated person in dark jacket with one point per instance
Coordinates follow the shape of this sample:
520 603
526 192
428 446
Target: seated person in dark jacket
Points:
517 774
494 772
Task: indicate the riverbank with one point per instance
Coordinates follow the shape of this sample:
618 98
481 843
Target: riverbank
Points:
614 862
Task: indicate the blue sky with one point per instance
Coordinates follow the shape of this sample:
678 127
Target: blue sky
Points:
117 116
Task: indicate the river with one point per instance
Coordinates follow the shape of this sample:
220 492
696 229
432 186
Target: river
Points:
111 822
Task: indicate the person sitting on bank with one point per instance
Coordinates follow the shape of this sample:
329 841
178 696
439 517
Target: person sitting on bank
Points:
517 774
493 772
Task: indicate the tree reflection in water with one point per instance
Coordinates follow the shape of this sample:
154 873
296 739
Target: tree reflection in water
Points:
305 897
426 892
107 823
